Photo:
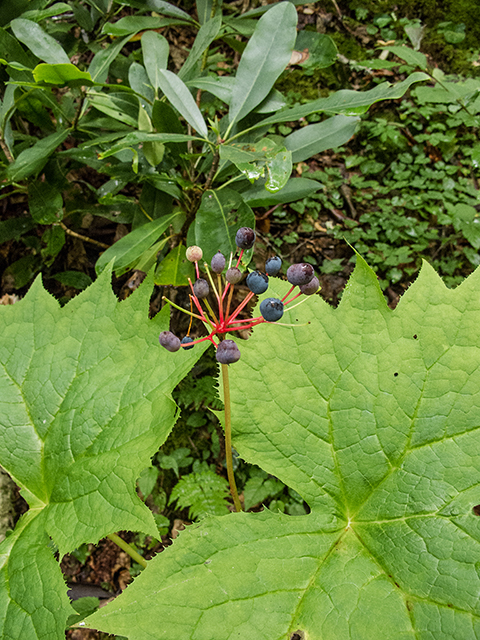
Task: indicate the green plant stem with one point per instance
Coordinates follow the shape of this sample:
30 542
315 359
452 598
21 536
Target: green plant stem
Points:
128 549
228 438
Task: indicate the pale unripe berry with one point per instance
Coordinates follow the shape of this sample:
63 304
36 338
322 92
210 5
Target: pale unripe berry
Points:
194 253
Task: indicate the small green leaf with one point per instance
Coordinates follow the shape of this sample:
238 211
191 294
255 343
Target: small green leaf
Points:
466 220
315 138
322 51
155 52
22 271
180 97
218 218
175 269
279 169
45 202
129 248
265 57
61 75
415 58
13 228
259 488
38 41
32 160
75 279
147 480
476 156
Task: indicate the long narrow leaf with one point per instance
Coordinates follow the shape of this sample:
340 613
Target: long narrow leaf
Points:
179 95
38 41
31 160
207 34
102 60
133 245
316 138
167 9
348 102
265 57
155 51
136 137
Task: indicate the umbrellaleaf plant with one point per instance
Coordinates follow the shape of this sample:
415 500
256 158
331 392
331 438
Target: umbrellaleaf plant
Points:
373 416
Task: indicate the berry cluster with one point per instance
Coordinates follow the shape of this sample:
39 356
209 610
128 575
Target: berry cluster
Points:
227 321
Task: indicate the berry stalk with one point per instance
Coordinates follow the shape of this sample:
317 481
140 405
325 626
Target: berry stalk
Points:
228 438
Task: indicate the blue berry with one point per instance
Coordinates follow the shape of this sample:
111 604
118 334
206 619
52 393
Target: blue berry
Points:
271 309
187 340
257 282
300 273
311 287
218 262
201 288
233 275
245 238
227 352
170 341
273 265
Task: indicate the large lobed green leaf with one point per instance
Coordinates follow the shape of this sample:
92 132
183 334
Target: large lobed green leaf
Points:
84 404
373 416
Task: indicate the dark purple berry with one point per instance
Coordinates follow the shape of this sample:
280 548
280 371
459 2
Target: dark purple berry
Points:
245 238
201 288
233 275
273 266
187 340
257 282
218 262
170 341
228 352
300 273
271 309
311 287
